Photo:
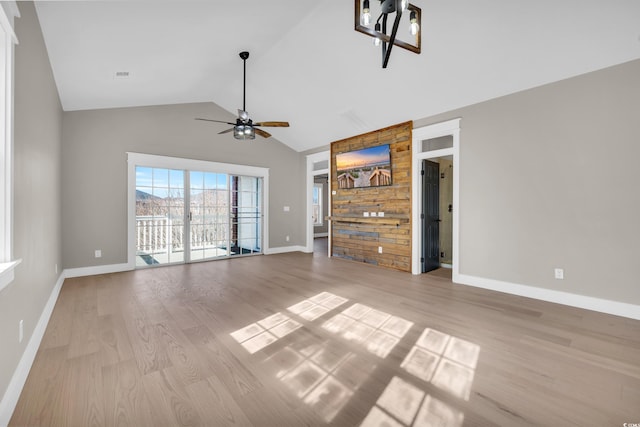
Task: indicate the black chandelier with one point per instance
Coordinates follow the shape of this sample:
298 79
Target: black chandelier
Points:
378 30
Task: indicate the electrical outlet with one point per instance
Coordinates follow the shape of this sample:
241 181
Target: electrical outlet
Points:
379 249
559 273
286 238
286 208
20 331
98 253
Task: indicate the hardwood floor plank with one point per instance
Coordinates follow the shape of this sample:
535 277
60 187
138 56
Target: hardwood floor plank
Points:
231 372
169 400
184 357
83 401
84 328
46 378
215 404
125 399
114 342
148 350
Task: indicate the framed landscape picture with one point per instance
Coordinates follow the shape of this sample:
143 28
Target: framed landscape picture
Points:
368 167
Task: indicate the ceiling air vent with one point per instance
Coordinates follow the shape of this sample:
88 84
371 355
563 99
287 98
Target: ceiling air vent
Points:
121 75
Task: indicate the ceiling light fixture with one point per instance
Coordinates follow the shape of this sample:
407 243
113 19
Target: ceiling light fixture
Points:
379 31
244 131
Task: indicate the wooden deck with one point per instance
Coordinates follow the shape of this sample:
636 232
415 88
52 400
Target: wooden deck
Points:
203 344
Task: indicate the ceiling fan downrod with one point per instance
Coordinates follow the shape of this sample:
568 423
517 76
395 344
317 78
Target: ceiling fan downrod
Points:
244 55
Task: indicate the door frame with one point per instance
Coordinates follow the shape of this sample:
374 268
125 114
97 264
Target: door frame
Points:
452 128
156 161
312 159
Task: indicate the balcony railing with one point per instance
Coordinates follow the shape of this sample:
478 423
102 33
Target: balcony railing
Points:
156 235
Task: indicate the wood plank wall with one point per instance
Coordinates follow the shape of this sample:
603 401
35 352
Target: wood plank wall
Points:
357 238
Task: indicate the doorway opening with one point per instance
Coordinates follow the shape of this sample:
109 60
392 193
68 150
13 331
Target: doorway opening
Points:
320 212
318 204
435 197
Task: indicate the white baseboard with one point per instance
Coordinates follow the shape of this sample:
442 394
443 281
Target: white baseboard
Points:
321 235
285 249
12 394
98 269
616 308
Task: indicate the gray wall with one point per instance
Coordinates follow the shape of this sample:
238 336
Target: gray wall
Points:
37 227
549 178
94 172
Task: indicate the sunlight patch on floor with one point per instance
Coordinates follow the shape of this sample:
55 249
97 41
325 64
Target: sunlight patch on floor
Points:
377 331
265 332
314 307
438 359
445 361
323 376
258 335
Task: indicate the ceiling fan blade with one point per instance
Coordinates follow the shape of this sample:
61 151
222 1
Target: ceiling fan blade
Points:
226 131
262 133
273 124
217 121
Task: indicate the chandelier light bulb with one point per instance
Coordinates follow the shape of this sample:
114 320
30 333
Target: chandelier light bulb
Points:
365 19
376 40
413 26
404 5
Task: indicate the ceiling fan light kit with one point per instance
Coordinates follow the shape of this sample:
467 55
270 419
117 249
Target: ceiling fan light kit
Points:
363 24
244 128
244 132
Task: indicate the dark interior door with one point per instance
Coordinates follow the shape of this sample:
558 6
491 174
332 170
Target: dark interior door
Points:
430 215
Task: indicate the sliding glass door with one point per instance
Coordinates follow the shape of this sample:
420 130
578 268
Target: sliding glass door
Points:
208 215
186 215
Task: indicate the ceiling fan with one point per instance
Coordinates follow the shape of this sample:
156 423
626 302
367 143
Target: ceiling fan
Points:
244 127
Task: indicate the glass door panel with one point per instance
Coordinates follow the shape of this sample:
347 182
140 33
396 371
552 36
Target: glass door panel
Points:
157 200
246 215
209 222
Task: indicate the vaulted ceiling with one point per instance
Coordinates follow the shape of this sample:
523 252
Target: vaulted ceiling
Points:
308 66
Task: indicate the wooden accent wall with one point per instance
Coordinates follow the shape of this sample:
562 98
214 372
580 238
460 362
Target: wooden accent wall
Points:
358 238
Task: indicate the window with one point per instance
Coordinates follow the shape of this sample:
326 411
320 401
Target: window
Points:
7 40
317 204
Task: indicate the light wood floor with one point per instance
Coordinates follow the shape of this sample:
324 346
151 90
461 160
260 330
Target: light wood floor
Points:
200 345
